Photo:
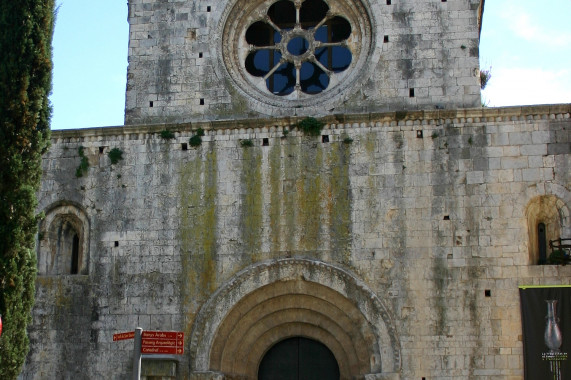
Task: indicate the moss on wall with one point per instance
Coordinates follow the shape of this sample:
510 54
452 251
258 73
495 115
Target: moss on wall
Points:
338 159
276 195
197 192
251 197
309 195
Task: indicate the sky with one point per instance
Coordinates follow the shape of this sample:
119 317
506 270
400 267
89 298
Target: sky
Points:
525 43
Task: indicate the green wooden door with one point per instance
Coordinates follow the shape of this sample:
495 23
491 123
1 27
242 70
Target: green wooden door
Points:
299 359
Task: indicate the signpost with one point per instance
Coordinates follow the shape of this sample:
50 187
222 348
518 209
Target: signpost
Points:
163 342
152 342
123 336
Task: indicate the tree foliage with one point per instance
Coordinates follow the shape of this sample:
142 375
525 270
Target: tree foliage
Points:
25 82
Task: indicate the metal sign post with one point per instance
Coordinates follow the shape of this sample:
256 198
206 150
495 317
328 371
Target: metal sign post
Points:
151 342
137 354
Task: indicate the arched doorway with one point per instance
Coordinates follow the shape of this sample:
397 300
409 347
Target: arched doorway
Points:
298 358
272 301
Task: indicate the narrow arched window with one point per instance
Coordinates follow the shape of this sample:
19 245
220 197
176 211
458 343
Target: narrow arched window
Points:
75 255
542 243
63 242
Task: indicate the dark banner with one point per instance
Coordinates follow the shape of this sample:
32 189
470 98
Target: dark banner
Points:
546 321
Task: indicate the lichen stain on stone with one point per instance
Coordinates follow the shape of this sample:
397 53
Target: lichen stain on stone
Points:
340 206
251 197
276 195
197 192
440 279
291 172
309 196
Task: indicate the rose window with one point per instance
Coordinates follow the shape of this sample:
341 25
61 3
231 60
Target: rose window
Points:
298 46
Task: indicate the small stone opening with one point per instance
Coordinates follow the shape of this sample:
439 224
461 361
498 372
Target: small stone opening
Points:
325 138
75 255
265 141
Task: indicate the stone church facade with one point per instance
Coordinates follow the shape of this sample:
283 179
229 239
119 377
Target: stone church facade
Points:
396 237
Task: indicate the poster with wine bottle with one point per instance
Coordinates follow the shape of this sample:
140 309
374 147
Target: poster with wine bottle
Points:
546 323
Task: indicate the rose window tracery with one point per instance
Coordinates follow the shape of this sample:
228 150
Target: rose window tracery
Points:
298 46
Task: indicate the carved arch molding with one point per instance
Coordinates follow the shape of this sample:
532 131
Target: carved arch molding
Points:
272 301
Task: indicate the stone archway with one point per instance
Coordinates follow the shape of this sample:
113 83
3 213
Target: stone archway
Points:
272 301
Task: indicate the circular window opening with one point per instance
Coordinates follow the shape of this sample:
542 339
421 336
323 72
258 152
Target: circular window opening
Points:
298 46
298 358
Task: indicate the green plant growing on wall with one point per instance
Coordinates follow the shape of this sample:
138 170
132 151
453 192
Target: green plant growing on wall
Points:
83 163
470 140
166 134
196 139
347 140
115 155
311 126
434 135
485 76
246 143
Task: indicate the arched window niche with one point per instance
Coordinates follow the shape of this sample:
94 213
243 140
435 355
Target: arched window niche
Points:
63 241
547 217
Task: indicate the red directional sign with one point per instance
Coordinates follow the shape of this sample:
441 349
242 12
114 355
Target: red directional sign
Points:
162 342
163 350
163 334
123 336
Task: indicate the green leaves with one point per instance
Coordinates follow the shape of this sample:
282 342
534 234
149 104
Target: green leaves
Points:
25 83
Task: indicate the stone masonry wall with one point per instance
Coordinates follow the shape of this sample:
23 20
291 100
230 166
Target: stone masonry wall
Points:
416 55
427 209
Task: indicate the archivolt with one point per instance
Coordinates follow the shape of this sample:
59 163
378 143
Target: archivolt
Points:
275 300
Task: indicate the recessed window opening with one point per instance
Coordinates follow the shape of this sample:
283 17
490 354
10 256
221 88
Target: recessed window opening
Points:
201 101
75 255
411 93
298 64
63 244
265 141
116 243
386 39
419 134
208 8
487 293
542 243
183 146
101 149
325 138
151 104
389 3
